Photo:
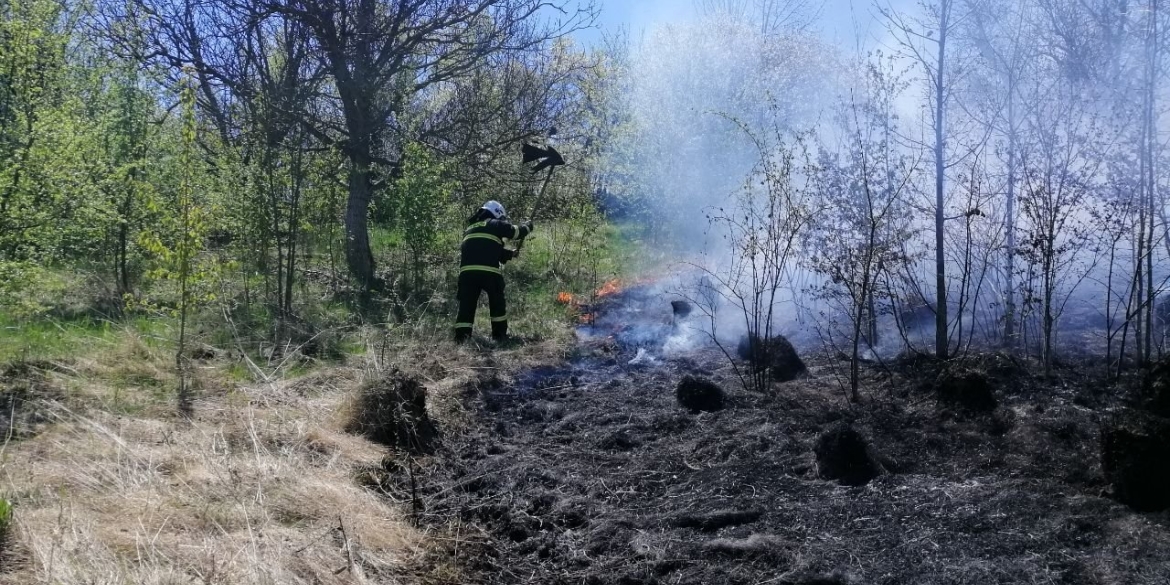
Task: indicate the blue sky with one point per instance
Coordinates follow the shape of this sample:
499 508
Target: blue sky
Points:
838 22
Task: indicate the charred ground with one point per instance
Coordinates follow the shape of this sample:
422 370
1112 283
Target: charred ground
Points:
591 472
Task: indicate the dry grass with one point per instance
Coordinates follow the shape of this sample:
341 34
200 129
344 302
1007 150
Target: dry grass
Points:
256 488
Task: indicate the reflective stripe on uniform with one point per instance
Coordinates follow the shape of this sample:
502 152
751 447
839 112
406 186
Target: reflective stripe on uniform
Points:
474 268
475 225
484 236
463 325
515 232
499 319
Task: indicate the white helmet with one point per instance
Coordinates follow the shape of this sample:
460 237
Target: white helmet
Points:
494 208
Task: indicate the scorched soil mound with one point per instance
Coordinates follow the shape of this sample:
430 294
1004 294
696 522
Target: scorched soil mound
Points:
593 473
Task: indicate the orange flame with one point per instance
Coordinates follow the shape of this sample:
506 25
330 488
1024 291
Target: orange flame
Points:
582 308
609 288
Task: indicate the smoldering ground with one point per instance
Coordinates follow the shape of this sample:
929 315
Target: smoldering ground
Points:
592 472
602 469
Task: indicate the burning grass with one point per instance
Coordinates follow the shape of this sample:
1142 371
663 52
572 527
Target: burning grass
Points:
585 308
609 288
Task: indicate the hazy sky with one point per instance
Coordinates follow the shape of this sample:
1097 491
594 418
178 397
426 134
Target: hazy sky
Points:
840 21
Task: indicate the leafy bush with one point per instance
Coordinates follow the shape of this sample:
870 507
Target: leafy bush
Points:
26 288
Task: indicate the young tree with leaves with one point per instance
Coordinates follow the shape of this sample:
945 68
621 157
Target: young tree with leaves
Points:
856 241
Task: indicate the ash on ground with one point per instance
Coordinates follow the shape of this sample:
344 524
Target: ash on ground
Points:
591 472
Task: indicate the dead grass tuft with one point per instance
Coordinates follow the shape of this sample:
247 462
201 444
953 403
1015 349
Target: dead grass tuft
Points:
392 410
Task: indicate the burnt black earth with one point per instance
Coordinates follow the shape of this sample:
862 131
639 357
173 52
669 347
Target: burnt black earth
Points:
590 472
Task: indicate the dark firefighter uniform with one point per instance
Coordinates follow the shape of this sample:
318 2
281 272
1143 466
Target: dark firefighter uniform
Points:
482 256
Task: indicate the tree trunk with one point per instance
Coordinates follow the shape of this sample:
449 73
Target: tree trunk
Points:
123 270
1049 292
940 266
871 316
358 256
1109 332
294 220
1009 320
1151 185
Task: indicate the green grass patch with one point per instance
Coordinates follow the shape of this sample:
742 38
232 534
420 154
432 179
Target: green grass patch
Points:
5 521
239 372
47 338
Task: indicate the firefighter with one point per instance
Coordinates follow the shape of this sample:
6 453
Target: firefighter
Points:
482 256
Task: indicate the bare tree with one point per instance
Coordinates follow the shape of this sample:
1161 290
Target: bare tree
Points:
857 240
1087 39
1002 33
926 41
762 230
771 16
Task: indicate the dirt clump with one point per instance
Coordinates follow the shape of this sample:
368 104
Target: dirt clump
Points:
699 395
1135 457
967 390
774 353
392 410
844 455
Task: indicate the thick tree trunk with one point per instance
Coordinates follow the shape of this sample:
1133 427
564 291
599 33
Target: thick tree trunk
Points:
358 256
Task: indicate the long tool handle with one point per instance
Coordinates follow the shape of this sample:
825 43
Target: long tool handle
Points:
536 204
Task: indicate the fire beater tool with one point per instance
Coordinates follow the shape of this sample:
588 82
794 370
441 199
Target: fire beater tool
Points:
544 157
